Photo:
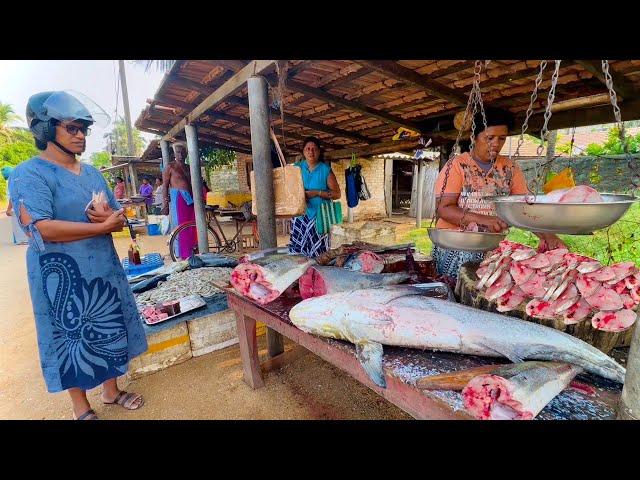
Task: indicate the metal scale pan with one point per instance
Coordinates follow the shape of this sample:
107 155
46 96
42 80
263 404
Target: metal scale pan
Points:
567 218
465 241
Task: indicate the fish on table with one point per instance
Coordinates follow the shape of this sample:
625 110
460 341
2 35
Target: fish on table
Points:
400 316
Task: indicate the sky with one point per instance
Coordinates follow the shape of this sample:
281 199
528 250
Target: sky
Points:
97 79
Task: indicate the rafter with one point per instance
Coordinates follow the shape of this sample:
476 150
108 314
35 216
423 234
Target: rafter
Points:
404 74
621 85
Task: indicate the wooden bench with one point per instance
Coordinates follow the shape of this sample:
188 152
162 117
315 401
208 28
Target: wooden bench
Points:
402 366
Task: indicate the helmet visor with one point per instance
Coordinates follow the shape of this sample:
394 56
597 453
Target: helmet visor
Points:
69 105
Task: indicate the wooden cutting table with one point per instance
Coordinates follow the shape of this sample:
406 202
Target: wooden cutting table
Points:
402 366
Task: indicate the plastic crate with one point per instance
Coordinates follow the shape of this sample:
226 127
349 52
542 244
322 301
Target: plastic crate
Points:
153 229
123 234
150 262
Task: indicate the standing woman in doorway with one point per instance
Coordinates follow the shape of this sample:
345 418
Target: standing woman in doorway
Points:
87 322
320 186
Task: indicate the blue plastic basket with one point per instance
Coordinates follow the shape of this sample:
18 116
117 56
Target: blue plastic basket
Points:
153 229
150 262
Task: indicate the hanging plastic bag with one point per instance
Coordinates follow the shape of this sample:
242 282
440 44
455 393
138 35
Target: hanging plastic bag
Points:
329 213
165 225
364 194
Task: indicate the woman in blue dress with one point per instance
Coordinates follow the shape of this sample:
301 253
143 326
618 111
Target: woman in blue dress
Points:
87 322
320 185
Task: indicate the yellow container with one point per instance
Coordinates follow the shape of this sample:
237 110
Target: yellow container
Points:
223 198
130 212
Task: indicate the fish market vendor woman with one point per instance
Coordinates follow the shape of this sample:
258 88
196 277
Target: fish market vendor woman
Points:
474 175
320 185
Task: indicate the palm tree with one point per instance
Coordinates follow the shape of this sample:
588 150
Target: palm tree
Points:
7 115
160 65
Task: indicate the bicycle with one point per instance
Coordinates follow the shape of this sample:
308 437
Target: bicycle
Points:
189 231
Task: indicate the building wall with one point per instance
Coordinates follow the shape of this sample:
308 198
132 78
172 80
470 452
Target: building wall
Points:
231 178
373 172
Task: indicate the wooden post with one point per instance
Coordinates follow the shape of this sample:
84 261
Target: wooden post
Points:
196 187
388 186
265 199
134 183
629 405
166 158
419 194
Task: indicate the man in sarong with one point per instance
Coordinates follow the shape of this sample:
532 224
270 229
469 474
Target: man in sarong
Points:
177 193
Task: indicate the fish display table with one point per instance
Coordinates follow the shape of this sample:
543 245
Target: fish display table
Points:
592 398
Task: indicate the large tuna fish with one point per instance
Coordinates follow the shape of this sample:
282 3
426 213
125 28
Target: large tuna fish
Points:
267 277
518 391
399 316
319 281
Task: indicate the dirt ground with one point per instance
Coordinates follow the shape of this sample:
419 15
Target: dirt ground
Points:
206 387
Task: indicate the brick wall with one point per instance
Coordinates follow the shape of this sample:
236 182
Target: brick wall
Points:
241 163
223 179
373 171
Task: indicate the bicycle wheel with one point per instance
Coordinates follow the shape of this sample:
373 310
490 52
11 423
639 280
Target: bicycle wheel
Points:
254 231
187 232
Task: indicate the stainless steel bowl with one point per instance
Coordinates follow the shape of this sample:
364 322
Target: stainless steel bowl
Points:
465 241
568 218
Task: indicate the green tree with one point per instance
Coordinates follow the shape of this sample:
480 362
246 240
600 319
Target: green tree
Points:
100 159
12 154
7 116
117 139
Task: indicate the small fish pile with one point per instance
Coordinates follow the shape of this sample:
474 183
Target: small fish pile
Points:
199 281
559 284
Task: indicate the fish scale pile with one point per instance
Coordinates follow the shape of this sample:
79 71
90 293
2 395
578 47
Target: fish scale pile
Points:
559 284
198 281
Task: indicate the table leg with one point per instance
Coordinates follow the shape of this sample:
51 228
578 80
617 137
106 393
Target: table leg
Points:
275 343
246 327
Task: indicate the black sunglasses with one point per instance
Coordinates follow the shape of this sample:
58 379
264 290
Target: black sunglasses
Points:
74 129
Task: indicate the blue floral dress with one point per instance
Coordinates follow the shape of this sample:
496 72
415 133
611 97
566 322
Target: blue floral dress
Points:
87 322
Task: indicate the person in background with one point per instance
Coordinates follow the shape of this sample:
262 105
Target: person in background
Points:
320 186
472 176
18 235
177 192
87 321
158 199
119 191
146 191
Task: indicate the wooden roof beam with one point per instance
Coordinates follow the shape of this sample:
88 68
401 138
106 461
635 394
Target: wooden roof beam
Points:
404 74
373 149
319 127
230 87
620 84
350 104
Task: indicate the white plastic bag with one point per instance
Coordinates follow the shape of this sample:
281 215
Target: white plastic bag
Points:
164 224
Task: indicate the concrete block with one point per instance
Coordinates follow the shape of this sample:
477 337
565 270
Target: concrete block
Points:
212 332
167 347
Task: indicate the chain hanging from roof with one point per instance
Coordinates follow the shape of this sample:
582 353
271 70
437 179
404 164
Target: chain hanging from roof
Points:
534 185
633 166
282 68
475 100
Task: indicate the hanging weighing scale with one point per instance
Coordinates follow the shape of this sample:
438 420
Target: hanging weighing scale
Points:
462 240
540 213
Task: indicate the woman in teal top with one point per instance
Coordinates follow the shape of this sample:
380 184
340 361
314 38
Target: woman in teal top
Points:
321 186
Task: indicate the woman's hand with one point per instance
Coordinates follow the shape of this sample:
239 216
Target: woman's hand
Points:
550 242
494 224
115 222
312 193
100 215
